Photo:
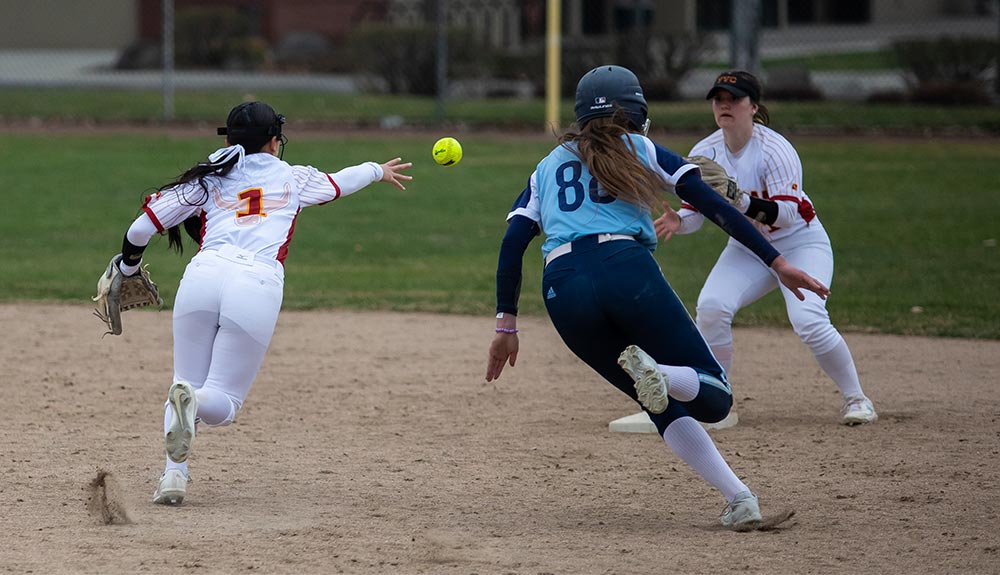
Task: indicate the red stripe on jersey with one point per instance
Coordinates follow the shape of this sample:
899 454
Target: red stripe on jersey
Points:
283 250
805 208
687 206
204 224
335 186
152 216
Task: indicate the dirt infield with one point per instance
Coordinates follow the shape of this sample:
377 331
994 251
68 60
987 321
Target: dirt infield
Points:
371 444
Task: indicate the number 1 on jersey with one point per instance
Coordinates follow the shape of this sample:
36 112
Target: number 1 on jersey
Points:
252 198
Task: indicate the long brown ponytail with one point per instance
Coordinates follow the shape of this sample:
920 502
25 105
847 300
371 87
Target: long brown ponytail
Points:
613 161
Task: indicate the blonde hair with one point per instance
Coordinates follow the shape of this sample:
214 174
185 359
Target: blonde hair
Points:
613 160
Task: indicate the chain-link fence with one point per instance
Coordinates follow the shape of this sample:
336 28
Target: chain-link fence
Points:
886 50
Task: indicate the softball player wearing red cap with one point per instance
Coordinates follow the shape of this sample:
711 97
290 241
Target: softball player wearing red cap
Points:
768 170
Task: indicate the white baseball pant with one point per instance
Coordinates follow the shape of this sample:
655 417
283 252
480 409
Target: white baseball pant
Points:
224 316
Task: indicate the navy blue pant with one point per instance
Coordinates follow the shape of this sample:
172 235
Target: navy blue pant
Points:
602 298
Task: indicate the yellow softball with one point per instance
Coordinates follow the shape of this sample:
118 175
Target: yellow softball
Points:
447 152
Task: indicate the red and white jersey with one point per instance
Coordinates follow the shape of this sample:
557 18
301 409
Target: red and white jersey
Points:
255 206
767 167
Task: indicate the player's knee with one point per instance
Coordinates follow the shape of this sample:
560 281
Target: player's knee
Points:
228 417
819 334
710 406
713 309
716 407
712 318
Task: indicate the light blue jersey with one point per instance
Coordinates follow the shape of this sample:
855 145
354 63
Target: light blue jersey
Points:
569 203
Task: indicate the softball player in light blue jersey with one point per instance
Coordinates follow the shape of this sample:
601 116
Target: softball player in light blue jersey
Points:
604 292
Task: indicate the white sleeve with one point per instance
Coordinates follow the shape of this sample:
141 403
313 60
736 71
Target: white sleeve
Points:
691 220
783 180
788 212
169 208
318 187
141 231
527 204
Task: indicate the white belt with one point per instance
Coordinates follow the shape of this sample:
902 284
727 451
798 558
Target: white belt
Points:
240 256
568 246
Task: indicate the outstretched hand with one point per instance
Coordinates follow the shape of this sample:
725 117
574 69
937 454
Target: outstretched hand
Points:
668 223
391 172
503 348
795 279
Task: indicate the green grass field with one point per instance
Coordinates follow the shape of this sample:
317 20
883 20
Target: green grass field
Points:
305 109
913 223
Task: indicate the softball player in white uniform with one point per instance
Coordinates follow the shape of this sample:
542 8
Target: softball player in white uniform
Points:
247 200
767 167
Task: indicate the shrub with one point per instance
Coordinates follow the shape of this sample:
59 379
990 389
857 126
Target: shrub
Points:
404 58
674 55
886 97
790 83
140 55
218 38
661 62
581 55
948 70
307 52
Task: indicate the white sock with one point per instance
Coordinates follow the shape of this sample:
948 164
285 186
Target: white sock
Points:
689 440
174 465
684 384
839 365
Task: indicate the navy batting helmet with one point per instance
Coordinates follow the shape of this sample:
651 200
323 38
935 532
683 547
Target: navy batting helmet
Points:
602 88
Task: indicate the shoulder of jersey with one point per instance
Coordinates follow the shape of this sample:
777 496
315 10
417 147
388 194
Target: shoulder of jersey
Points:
710 141
769 135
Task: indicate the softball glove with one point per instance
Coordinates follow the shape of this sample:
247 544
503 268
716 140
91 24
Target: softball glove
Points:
117 292
716 177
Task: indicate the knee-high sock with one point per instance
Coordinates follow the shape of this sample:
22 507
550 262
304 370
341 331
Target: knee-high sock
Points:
684 383
839 365
689 440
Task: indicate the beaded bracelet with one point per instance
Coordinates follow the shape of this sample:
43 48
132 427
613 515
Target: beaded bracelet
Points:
506 330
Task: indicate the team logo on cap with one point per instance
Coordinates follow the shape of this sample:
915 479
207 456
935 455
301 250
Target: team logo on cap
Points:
600 103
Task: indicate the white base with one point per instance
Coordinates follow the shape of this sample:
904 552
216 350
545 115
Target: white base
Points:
732 419
635 423
640 423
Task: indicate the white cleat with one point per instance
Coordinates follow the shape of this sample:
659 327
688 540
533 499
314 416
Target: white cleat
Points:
743 513
172 488
651 384
180 434
858 410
